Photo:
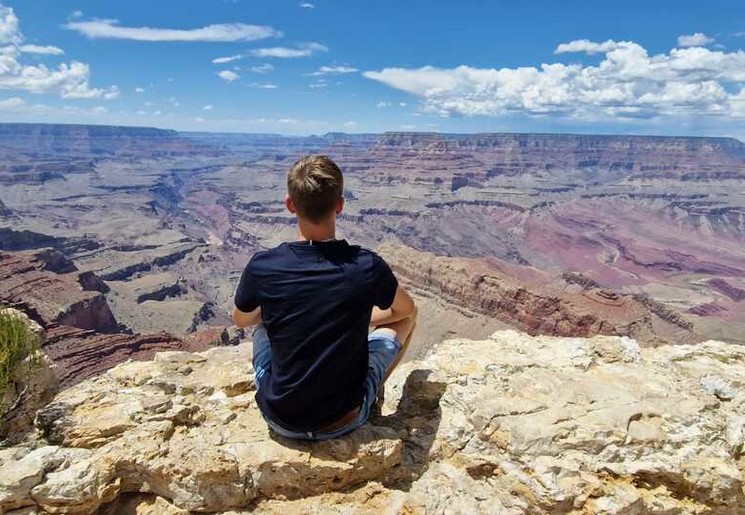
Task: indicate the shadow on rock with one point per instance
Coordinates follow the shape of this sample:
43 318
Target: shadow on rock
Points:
413 427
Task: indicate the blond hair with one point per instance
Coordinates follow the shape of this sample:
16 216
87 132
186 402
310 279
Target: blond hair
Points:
315 185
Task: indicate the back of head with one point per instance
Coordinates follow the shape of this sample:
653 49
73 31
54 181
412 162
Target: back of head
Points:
315 185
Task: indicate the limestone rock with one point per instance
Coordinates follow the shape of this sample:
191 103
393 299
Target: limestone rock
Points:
513 424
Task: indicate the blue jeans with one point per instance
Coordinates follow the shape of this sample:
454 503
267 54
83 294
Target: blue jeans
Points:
383 351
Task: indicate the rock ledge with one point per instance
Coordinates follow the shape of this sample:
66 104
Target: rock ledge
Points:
512 424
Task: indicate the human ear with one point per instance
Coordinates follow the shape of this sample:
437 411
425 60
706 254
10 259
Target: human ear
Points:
290 205
340 205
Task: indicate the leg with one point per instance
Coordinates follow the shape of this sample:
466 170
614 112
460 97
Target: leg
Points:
262 353
402 330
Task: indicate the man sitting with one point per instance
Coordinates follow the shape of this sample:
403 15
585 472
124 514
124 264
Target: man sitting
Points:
318 372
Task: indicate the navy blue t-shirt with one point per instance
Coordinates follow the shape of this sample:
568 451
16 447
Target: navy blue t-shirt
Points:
316 301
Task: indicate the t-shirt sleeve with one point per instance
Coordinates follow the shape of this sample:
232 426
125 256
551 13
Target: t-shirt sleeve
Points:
386 284
245 294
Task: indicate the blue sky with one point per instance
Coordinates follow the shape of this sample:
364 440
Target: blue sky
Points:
301 67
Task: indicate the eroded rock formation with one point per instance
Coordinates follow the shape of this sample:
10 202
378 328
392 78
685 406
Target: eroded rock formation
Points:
513 424
80 334
48 285
532 300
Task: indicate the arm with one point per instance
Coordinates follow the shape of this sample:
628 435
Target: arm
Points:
243 319
403 307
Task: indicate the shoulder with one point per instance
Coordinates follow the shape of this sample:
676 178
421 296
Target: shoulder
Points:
370 257
264 258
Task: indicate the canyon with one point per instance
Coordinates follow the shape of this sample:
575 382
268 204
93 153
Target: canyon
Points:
579 347
648 229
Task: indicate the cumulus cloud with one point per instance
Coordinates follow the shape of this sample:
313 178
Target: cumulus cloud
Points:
330 70
139 89
208 107
588 47
228 75
626 83
697 39
288 53
228 59
307 5
69 80
263 68
221 32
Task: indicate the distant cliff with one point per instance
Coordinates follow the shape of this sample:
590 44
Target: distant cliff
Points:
36 141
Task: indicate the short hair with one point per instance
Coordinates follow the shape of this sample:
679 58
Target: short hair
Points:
315 185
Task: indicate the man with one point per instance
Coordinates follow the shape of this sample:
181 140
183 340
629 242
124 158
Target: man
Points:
318 372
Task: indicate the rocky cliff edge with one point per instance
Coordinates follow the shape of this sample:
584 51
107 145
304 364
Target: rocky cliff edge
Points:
512 424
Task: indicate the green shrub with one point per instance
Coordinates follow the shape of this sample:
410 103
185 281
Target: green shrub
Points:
17 341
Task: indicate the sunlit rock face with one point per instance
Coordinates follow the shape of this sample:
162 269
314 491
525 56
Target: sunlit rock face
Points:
510 424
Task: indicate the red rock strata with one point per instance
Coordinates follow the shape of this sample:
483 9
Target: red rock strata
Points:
524 297
50 288
80 354
81 334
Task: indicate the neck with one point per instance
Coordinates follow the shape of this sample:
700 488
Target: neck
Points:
308 231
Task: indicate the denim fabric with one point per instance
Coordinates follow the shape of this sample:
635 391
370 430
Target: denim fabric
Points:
383 351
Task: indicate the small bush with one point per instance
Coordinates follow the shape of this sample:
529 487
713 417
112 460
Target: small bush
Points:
17 341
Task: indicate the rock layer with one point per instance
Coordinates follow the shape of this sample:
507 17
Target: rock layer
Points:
514 424
48 285
81 334
532 300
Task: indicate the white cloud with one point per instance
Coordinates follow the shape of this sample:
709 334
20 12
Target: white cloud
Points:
627 83
208 107
588 47
228 76
317 85
697 39
150 104
328 70
75 14
223 32
11 104
262 86
287 53
68 80
262 68
351 124
20 106
380 105
139 89
198 119
41 49
307 5
141 113
228 59
157 113
10 33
